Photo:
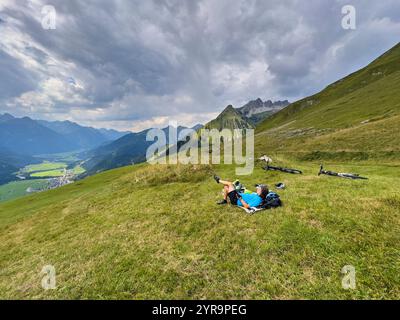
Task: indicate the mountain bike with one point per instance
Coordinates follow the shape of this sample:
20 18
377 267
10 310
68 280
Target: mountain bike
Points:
286 170
353 176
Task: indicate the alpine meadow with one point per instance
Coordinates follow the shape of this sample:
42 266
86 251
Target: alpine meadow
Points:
85 200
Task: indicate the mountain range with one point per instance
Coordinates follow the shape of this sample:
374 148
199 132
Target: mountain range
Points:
257 110
247 116
102 149
24 135
126 150
230 118
132 147
34 137
83 137
357 111
24 138
11 162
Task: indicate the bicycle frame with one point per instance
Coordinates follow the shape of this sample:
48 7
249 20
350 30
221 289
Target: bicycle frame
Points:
286 170
353 176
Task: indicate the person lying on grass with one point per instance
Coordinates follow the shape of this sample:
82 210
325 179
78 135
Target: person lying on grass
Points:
246 200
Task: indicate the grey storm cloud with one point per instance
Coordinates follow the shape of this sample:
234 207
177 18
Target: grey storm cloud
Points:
13 80
131 64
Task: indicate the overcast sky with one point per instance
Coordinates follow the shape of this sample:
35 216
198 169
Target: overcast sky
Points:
138 64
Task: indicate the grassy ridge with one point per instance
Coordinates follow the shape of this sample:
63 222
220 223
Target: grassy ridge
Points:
113 236
358 113
352 95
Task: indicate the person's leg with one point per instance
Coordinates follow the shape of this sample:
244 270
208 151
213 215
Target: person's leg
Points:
226 183
226 191
225 200
229 192
228 187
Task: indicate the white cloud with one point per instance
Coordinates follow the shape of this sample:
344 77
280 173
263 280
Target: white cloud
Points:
235 80
140 63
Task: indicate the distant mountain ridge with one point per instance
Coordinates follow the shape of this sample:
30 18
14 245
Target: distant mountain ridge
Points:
10 163
6 117
259 106
27 136
124 151
247 116
229 118
34 137
83 137
258 110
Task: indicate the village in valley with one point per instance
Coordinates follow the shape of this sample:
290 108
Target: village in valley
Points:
57 182
55 178
40 177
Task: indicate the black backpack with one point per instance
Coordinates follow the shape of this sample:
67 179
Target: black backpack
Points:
272 200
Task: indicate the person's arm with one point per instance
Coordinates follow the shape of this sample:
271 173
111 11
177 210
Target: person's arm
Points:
244 204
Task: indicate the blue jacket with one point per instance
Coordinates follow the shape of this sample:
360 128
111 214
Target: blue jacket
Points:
252 199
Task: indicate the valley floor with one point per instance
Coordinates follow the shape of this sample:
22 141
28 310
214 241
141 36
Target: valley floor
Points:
40 177
150 232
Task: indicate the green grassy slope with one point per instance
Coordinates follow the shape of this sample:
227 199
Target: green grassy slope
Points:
360 113
17 189
259 117
155 232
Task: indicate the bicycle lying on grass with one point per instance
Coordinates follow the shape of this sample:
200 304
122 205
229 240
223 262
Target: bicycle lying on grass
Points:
353 176
287 170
